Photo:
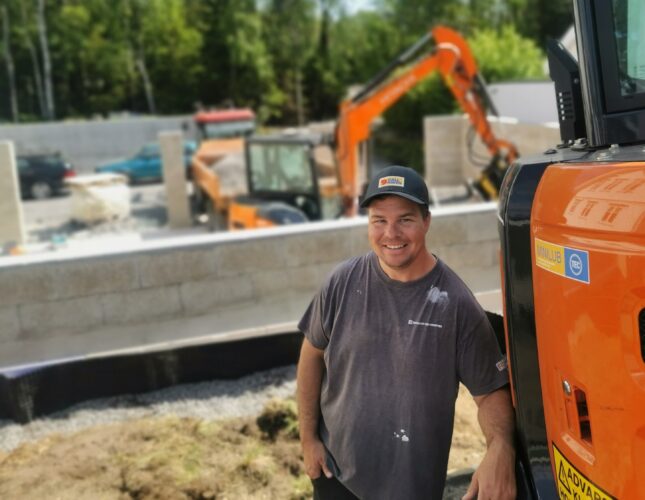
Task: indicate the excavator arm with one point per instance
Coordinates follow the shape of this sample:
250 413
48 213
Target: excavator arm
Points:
451 57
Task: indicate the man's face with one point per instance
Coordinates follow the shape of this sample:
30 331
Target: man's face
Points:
397 232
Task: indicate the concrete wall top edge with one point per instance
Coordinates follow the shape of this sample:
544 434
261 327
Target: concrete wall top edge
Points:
106 248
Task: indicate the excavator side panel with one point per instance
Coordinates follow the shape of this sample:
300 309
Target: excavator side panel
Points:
588 267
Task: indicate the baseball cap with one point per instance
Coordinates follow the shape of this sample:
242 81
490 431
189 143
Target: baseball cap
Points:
400 181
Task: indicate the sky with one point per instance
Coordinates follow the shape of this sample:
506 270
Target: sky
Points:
354 6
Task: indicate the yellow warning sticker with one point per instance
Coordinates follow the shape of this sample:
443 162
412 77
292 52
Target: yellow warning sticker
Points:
572 485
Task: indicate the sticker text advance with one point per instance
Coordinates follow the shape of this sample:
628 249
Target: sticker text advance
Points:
571 484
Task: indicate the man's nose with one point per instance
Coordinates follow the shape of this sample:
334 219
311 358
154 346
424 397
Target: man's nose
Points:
391 230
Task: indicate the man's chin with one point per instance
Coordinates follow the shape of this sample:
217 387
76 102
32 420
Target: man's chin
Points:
395 264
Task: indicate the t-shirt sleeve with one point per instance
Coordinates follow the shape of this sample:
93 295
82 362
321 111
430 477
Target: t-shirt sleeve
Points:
481 366
317 322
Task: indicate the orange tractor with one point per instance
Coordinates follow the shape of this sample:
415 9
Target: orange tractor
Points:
217 167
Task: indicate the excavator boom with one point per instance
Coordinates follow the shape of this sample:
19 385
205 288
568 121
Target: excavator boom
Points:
452 58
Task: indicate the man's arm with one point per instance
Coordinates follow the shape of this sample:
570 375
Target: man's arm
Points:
495 476
311 367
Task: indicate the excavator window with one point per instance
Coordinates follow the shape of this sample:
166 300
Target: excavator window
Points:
630 49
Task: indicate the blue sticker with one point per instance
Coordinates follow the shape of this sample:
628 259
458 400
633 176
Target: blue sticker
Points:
576 264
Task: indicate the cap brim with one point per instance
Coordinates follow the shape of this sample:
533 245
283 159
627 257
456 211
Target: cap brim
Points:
367 201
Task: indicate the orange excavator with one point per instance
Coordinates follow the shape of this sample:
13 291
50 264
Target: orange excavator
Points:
572 230
290 176
451 57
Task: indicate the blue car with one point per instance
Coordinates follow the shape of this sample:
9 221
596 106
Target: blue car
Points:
146 164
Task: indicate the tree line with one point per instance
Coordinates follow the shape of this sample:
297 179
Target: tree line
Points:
290 60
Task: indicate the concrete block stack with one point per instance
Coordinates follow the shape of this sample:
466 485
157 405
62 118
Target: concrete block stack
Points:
202 288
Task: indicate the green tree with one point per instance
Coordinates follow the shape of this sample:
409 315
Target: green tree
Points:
90 60
506 55
542 19
238 68
289 35
172 49
361 45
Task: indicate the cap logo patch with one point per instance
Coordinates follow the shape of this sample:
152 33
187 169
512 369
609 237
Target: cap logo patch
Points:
391 180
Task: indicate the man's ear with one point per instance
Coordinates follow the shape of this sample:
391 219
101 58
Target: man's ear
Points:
427 221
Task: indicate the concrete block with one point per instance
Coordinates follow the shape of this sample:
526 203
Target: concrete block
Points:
314 248
462 256
443 143
174 176
12 223
481 279
199 297
140 306
480 226
266 283
176 266
447 230
34 283
91 277
358 242
9 324
59 318
308 279
529 138
240 257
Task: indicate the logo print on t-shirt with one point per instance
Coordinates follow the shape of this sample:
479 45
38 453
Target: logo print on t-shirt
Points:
402 436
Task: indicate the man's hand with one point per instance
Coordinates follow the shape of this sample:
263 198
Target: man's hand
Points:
314 457
495 477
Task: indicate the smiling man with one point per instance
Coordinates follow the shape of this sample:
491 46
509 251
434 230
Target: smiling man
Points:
388 339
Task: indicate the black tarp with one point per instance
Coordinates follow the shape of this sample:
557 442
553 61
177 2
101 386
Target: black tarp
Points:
30 391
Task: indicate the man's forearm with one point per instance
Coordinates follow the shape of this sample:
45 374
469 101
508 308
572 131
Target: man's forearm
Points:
310 372
496 418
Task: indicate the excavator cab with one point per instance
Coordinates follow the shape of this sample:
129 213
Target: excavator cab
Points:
291 178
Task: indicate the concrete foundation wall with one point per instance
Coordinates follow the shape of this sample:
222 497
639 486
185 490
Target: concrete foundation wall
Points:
447 161
86 144
202 287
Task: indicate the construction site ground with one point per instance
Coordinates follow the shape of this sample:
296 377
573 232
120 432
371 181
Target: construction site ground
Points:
169 457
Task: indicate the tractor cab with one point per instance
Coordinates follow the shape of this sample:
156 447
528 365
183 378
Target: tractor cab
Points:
291 177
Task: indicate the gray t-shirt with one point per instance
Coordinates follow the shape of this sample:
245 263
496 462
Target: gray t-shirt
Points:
394 354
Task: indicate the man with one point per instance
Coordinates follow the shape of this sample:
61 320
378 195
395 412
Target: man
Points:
387 341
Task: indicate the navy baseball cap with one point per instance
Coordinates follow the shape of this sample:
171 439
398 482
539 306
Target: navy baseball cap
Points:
400 181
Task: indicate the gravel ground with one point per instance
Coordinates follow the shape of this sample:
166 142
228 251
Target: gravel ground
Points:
206 400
